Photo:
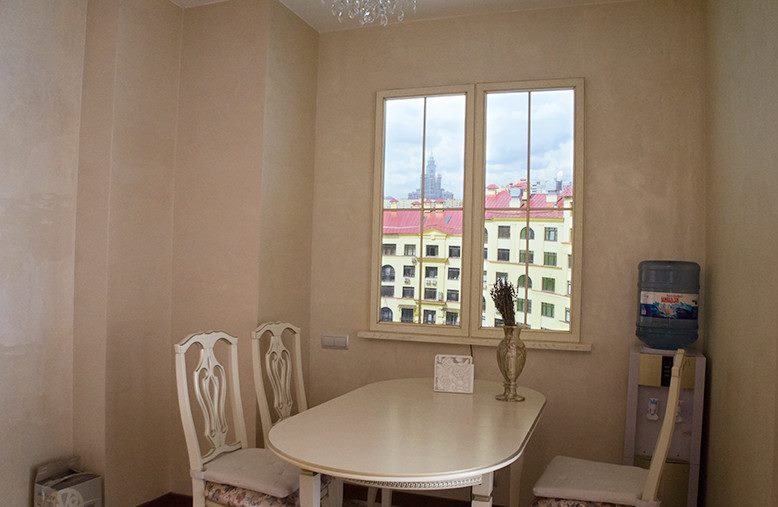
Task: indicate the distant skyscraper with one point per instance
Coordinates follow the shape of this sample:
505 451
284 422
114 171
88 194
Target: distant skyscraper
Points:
433 187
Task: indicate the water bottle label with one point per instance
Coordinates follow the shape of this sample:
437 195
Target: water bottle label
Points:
668 305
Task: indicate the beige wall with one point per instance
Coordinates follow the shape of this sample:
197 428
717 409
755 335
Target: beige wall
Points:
217 188
741 246
644 166
124 246
41 50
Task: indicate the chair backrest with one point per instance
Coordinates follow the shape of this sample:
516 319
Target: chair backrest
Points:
278 366
209 383
666 431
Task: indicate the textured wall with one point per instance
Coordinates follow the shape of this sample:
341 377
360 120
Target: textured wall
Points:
41 55
644 167
741 246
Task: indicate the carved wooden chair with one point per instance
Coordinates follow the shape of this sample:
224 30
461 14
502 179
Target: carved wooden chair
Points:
278 375
228 473
570 482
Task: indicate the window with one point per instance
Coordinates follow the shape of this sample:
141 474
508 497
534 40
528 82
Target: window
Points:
524 305
387 273
408 292
569 260
387 291
497 322
452 295
567 314
389 249
547 310
500 276
406 315
386 314
506 160
452 319
569 288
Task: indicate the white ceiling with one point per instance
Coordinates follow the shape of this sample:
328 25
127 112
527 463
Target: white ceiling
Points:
319 15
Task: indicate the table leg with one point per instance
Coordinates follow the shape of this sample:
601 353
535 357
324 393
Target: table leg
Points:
515 486
482 493
310 489
335 492
386 497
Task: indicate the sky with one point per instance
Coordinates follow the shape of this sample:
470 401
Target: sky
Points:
506 139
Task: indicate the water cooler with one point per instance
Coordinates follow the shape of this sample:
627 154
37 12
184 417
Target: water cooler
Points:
649 378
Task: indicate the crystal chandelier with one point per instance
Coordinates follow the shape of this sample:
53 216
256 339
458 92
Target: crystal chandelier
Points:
367 12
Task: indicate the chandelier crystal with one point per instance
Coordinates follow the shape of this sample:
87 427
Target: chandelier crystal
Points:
367 12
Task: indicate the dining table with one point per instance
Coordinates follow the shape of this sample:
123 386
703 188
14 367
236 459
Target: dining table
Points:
403 435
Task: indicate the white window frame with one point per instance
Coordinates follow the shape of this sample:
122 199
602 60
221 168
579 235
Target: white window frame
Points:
470 328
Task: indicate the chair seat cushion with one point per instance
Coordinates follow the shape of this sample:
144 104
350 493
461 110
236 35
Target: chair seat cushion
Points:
257 470
591 481
233 496
561 502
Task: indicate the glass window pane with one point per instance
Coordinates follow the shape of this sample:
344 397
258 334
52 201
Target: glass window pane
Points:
403 144
506 143
444 174
552 141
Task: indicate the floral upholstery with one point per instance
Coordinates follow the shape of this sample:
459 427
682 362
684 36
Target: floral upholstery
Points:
233 496
561 502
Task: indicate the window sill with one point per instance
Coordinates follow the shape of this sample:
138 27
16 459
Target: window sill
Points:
468 340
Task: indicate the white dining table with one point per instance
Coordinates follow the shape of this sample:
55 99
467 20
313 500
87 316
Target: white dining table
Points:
400 434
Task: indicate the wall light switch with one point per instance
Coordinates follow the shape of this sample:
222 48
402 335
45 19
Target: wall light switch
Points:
334 342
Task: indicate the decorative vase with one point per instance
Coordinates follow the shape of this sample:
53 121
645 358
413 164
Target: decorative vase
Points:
511 355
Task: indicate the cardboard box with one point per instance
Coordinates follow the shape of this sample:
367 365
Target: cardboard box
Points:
60 483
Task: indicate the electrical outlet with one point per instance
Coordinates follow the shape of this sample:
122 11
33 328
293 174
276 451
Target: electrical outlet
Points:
334 341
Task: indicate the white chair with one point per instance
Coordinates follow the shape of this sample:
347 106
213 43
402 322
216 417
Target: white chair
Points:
227 473
570 482
274 363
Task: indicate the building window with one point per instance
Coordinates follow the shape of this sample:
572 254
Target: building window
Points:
497 322
409 271
452 319
524 305
387 273
431 294
440 210
567 314
452 295
547 309
386 314
429 316
549 284
500 276
569 260
389 249
408 292
387 291
406 315
569 288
